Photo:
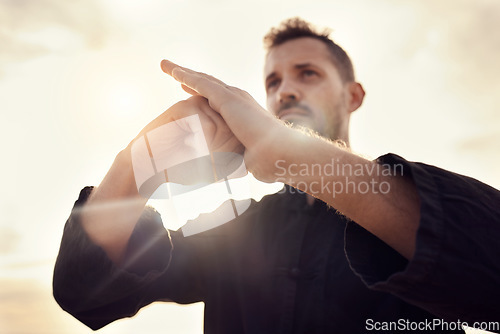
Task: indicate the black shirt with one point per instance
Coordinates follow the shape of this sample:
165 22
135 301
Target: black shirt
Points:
281 267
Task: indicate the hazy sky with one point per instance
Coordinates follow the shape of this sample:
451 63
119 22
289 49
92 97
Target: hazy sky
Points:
79 79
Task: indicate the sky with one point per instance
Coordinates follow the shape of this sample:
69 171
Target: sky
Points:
79 79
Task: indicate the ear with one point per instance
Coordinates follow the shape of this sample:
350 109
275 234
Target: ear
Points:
356 94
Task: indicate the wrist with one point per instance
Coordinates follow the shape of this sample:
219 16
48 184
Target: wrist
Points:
298 150
119 182
280 148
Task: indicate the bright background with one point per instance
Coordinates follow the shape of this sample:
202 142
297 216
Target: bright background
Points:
79 79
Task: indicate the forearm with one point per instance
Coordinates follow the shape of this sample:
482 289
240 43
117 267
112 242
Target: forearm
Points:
87 284
111 213
391 216
375 197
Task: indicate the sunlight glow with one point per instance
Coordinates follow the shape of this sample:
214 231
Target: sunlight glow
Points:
181 208
123 99
80 79
53 38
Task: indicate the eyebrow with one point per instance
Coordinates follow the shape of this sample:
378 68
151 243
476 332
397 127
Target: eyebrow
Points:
303 65
297 66
271 76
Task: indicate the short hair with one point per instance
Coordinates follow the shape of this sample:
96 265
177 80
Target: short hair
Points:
296 27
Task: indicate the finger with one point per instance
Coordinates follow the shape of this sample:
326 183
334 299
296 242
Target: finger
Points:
214 116
168 67
189 90
190 77
223 140
202 83
211 89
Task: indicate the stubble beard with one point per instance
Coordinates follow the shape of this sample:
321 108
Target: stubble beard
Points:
335 127
332 126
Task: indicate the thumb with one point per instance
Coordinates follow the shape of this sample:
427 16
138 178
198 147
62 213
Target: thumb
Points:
189 90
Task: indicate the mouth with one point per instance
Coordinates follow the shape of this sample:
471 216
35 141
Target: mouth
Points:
292 112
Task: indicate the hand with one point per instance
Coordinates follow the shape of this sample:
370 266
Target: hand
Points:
110 226
261 133
217 134
393 217
184 145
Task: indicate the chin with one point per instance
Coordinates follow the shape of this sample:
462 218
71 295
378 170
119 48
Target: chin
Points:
301 123
297 121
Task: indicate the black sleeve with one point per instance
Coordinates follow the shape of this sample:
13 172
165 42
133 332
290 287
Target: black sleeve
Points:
455 272
93 289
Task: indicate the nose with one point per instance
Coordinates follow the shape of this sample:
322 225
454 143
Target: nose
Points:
288 92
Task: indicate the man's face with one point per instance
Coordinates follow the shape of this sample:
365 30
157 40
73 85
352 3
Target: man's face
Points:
304 87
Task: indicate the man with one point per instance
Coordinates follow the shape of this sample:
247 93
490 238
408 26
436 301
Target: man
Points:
291 263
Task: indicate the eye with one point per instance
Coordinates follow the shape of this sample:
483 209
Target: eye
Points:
309 73
272 84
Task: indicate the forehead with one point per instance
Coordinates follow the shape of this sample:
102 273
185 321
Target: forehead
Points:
297 51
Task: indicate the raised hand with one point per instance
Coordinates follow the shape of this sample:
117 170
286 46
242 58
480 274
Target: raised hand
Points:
260 132
217 134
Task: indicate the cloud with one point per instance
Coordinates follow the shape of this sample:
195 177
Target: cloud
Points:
464 37
9 239
27 27
486 148
28 307
460 31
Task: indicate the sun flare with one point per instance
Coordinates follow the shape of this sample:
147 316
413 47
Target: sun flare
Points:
124 99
